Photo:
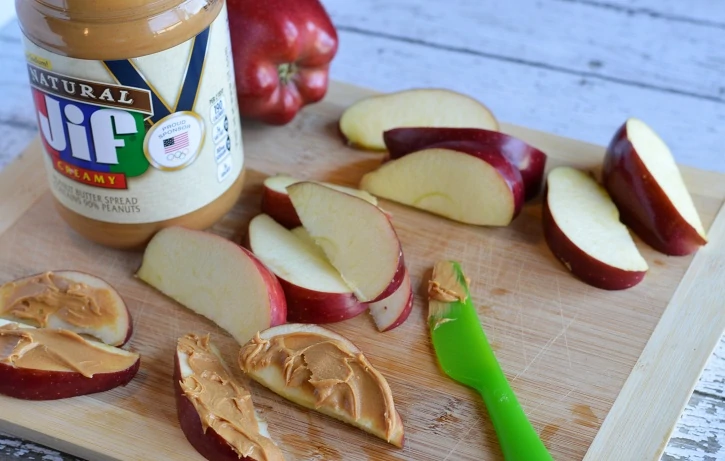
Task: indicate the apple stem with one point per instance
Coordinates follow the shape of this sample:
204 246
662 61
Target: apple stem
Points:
286 71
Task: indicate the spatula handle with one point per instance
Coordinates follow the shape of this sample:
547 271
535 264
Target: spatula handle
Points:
517 437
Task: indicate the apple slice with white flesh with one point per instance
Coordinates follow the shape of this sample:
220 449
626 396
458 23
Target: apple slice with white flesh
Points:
458 180
582 229
314 290
529 160
321 370
215 278
51 364
277 204
356 236
363 123
302 234
68 300
214 408
645 183
392 311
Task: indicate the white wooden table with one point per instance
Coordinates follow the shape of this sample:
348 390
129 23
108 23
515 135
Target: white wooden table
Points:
577 68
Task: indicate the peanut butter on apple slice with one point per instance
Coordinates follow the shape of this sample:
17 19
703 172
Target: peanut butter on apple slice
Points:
59 350
321 370
213 405
51 364
68 300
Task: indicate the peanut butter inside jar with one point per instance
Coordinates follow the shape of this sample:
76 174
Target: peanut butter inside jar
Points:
137 113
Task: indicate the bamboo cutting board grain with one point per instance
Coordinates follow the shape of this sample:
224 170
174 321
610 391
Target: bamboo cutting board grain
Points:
602 375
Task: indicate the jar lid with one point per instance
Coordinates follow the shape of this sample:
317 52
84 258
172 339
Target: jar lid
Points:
113 29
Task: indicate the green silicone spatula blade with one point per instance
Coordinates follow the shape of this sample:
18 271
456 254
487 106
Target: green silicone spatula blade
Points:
465 355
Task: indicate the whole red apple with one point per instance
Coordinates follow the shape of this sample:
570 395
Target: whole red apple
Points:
282 51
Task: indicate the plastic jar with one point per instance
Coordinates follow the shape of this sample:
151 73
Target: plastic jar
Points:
137 113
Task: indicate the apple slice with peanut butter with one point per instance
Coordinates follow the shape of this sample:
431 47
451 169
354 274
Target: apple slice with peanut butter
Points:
321 370
50 364
215 410
68 300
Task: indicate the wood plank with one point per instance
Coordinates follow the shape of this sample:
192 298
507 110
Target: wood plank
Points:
16 103
13 140
12 448
699 433
17 112
566 347
584 109
706 13
690 326
6 14
712 381
600 43
24 181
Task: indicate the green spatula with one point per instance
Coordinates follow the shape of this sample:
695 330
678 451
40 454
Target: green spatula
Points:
465 355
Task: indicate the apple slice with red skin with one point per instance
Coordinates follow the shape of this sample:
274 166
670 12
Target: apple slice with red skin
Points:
277 204
356 236
582 229
363 123
315 291
116 332
529 160
392 311
207 441
645 183
50 384
216 278
387 313
460 181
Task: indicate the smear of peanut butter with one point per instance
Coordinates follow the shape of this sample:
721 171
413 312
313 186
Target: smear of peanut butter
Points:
222 403
444 285
330 375
58 350
38 298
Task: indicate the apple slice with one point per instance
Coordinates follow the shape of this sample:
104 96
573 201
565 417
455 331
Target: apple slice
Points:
392 311
215 278
321 370
387 313
356 236
582 229
314 290
643 179
462 182
363 123
215 410
529 160
277 204
302 234
68 300
51 364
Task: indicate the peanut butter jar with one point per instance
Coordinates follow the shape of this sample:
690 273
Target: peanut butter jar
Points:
137 113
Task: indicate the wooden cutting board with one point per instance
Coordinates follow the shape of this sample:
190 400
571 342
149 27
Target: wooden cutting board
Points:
602 375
